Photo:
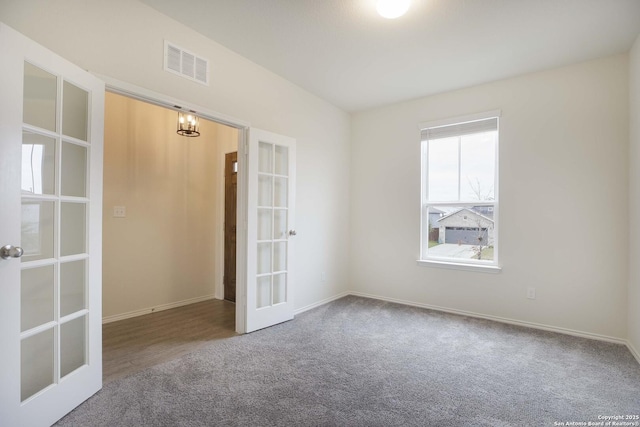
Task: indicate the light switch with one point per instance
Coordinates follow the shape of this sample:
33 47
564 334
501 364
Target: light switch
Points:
119 212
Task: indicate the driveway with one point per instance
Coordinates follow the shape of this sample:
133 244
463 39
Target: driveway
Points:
452 250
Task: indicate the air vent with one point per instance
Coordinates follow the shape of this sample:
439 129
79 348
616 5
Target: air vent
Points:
186 64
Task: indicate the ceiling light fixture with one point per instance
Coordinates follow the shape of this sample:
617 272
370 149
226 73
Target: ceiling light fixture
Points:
392 9
188 124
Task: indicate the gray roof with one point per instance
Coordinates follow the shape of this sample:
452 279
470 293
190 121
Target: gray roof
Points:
469 210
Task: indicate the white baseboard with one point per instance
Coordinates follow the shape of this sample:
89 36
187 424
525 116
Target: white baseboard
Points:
503 320
322 302
633 351
142 312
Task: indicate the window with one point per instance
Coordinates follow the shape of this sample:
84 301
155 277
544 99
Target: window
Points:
460 191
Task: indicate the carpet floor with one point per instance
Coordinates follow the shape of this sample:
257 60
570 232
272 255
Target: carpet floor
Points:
363 362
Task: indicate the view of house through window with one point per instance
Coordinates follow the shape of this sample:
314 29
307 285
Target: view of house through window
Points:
459 191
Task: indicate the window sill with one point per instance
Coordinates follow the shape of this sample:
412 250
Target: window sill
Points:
494 269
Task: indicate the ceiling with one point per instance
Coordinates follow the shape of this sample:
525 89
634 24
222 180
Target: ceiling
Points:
342 51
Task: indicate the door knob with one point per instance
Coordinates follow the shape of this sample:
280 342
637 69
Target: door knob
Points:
292 232
9 251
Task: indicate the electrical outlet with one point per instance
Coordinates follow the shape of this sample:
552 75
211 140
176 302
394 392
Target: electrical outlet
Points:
531 293
119 212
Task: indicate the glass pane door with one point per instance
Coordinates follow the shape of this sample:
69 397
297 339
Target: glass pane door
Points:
270 219
51 151
273 187
54 287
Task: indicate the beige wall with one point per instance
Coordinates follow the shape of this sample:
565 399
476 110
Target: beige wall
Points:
124 39
563 177
634 199
164 251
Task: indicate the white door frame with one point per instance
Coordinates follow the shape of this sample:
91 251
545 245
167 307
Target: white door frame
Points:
156 98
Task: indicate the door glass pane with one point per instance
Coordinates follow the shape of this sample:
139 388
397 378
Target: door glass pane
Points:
264 224
280 256
72 229
40 93
36 363
264 258
263 293
38 164
37 230
36 297
264 190
74 170
279 224
72 286
265 157
72 345
280 192
279 288
282 160
75 111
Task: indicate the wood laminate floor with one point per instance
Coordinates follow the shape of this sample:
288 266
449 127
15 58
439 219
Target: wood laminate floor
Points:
131 345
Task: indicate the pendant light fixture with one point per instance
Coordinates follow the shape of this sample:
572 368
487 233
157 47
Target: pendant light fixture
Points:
188 124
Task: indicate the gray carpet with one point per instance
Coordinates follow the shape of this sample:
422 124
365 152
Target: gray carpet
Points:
363 362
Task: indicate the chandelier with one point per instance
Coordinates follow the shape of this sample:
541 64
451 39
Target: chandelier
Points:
188 124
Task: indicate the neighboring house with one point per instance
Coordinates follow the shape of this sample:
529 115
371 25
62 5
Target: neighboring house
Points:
434 230
465 226
434 216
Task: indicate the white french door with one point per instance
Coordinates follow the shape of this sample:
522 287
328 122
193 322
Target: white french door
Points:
51 136
270 229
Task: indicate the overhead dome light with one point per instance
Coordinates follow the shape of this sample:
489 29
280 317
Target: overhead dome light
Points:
392 9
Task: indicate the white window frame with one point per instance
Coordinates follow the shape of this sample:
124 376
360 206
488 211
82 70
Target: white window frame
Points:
454 263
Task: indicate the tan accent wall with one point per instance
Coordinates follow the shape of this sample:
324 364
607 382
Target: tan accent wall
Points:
164 251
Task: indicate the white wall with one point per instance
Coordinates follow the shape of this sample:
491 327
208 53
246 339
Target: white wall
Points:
164 251
563 172
634 198
123 39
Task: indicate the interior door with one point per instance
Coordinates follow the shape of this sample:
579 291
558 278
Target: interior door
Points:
51 130
270 229
230 216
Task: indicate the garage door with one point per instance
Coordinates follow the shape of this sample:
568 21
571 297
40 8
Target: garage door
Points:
464 235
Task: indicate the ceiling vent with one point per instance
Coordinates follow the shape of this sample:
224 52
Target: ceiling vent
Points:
186 64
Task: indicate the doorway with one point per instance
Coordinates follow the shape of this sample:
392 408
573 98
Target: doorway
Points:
163 220
266 183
